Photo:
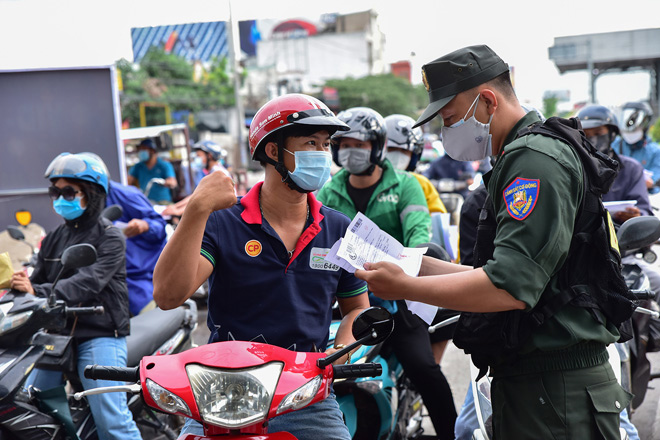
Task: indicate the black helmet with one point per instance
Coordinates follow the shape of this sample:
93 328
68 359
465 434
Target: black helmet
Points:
400 134
593 116
636 119
365 124
217 153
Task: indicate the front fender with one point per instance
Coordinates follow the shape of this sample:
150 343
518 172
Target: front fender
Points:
347 407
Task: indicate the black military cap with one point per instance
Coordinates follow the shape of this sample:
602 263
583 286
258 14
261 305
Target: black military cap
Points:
457 72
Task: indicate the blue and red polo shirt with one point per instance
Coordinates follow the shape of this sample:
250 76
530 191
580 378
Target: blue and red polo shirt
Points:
256 293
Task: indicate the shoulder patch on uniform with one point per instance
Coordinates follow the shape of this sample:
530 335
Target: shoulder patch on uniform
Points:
521 196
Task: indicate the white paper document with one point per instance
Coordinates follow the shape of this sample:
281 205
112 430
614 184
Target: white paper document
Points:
619 205
364 242
425 311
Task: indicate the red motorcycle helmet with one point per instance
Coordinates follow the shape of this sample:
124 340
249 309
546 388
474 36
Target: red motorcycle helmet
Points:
286 110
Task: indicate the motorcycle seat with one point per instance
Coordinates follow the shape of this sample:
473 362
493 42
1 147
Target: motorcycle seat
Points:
150 330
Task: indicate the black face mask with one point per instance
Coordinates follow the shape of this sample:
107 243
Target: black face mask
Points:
602 142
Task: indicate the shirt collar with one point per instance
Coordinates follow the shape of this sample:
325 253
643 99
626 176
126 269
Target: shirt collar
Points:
252 213
525 121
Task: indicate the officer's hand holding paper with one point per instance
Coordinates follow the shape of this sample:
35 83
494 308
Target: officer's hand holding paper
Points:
364 242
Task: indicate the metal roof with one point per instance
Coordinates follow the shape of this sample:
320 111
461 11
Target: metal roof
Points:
144 132
192 41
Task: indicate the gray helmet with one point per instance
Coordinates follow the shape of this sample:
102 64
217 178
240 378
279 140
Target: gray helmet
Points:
366 124
636 116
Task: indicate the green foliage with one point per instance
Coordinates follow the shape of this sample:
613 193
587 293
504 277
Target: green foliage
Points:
169 80
387 94
550 107
654 131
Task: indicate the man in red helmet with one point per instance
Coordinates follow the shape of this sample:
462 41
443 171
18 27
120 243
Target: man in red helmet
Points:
264 255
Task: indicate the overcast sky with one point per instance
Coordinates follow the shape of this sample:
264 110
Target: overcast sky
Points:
58 33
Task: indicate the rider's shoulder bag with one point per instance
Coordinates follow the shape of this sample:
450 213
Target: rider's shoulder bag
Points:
590 277
59 351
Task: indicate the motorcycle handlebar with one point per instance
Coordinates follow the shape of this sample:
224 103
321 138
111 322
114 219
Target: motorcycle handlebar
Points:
96 310
122 374
357 370
643 294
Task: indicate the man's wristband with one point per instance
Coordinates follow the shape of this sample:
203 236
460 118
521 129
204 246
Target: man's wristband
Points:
339 347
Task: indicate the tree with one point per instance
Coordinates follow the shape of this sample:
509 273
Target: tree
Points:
550 106
169 81
387 94
654 131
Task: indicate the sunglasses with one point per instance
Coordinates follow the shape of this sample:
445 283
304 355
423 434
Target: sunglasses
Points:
68 192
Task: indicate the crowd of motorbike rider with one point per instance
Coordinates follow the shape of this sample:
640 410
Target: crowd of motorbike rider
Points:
268 237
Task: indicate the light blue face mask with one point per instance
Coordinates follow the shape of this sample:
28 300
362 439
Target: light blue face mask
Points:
69 210
312 169
198 162
143 155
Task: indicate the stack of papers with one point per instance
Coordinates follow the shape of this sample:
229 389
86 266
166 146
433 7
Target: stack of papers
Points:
365 242
619 205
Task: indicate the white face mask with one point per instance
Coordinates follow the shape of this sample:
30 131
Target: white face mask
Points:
468 140
632 137
399 159
354 160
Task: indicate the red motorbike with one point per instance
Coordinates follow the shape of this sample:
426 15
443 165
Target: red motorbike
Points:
233 388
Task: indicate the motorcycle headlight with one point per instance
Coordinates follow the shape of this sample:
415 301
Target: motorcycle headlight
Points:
166 400
9 322
234 398
300 397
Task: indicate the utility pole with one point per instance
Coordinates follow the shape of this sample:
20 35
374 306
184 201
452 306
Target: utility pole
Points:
240 154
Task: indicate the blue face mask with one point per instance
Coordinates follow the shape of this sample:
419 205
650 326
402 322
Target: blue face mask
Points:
312 169
198 162
143 155
69 210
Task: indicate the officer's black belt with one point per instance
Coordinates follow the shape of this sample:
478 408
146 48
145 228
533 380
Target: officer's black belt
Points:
582 355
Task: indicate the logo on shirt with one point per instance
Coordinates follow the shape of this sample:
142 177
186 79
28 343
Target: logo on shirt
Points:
317 260
253 248
390 198
520 197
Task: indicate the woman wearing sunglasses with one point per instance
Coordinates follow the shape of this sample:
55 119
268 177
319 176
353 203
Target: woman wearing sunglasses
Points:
79 184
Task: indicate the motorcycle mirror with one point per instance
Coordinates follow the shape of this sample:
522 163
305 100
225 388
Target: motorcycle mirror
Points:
78 255
373 325
15 233
638 232
112 212
73 257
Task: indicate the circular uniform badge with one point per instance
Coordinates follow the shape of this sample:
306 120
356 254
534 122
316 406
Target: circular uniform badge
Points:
253 248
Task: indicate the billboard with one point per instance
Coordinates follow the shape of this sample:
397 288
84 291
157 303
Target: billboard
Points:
44 113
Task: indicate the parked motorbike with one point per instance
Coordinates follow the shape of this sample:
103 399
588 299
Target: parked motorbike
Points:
450 191
637 369
233 388
633 235
22 241
25 342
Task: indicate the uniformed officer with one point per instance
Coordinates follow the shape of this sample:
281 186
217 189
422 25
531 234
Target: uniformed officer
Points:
560 384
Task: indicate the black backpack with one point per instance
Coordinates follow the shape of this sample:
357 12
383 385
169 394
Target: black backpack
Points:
493 338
